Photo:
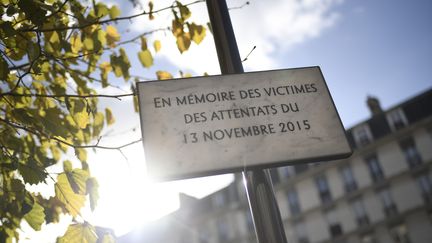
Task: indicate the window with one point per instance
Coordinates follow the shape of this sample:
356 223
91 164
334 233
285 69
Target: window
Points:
223 231
360 212
323 189
203 236
335 227
374 167
274 176
249 222
368 238
425 185
348 178
362 135
399 233
300 231
285 172
218 199
388 203
293 202
396 119
300 168
411 153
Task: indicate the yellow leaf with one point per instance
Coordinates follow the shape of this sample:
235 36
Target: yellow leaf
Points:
145 58
183 42
76 43
67 166
79 233
162 75
112 35
54 37
81 119
114 12
198 33
88 44
81 154
56 152
73 202
157 45
109 116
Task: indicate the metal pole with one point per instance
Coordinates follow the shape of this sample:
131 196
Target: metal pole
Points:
264 209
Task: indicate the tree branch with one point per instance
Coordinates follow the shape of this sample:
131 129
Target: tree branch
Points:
66 95
105 21
41 134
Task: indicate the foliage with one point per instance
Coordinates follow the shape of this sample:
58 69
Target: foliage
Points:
54 54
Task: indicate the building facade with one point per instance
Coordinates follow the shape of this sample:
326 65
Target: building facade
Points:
381 194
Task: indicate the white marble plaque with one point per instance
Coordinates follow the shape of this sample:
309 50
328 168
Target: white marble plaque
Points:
219 124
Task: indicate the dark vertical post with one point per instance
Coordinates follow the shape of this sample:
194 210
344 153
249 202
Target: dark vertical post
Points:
265 211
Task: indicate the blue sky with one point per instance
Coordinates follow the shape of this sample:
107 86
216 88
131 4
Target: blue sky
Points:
369 47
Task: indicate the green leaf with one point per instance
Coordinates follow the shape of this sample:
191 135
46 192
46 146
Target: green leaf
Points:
33 11
35 217
109 116
93 192
88 43
79 233
31 172
114 12
145 58
4 69
64 193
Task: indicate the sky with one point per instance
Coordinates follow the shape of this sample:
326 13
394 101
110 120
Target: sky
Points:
370 47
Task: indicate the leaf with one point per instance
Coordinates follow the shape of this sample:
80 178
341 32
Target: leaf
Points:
185 13
4 69
56 152
31 172
150 4
88 44
183 42
64 193
81 119
143 43
109 116
67 166
93 192
157 45
77 180
81 154
33 11
114 12
162 75
145 58
112 35
105 68
198 33
79 233
76 43
36 217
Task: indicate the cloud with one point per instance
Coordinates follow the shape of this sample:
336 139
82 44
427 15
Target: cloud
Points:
273 26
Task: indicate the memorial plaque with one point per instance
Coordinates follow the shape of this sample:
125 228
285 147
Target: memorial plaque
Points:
219 124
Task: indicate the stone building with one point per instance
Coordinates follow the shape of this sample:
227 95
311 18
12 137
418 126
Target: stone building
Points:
381 194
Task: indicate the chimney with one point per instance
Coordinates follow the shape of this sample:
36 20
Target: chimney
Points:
374 105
